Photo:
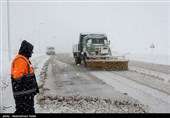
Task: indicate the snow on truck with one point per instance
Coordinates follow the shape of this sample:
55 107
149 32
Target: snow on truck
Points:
93 50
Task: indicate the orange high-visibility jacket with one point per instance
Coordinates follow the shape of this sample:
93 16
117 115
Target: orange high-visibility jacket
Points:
20 67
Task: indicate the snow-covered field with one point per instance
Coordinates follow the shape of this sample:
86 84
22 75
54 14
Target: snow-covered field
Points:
151 58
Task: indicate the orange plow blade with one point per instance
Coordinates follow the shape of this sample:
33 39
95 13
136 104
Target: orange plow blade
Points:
107 64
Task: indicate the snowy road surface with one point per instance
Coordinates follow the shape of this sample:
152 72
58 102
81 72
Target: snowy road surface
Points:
157 100
66 87
70 81
149 89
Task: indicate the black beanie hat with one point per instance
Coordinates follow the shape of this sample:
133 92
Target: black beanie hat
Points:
26 49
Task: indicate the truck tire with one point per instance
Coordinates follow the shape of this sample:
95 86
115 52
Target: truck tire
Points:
85 63
84 60
78 60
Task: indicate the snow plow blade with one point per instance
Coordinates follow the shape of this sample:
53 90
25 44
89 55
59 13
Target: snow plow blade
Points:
107 64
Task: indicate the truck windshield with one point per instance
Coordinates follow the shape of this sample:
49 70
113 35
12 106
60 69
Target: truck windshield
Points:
98 41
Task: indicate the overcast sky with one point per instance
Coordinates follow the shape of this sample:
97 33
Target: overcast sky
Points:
130 26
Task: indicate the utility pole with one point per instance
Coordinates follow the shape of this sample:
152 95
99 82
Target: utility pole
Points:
8 25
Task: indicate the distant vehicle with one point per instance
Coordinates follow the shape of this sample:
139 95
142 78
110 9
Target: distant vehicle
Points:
50 50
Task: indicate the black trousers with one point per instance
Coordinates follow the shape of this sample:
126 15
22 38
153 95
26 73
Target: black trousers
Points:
24 104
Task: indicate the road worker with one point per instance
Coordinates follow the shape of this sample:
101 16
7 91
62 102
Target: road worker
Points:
23 80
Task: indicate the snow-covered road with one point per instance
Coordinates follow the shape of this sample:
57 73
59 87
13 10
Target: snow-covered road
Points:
67 80
148 83
158 101
66 87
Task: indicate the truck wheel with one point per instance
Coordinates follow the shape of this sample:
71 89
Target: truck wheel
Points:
78 60
84 60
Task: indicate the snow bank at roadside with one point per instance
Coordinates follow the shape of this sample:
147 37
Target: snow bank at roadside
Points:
6 96
87 104
38 63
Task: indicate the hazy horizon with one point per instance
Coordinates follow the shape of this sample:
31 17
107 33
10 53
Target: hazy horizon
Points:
131 27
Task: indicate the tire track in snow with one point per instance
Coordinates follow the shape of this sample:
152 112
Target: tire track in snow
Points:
145 80
151 66
165 77
158 101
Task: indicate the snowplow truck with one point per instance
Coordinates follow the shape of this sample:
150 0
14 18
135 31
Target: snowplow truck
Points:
93 50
